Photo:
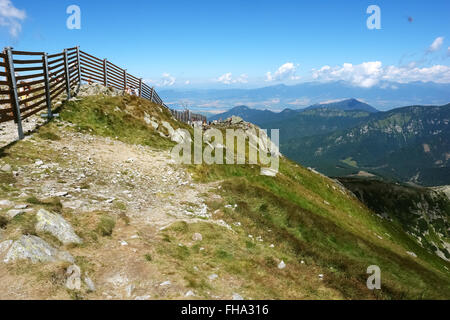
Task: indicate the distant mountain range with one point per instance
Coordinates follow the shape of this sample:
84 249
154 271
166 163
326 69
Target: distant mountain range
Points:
410 144
385 96
262 117
345 105
251 115
314 120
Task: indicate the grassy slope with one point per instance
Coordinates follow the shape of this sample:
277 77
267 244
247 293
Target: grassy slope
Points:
340 237
303 214
289 211
418 210
119 117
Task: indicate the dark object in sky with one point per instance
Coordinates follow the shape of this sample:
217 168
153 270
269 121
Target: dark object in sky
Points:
410 19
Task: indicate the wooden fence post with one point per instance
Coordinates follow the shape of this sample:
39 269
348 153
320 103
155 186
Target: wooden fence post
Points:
15 102
105 71
125 80
79 66
66 68
47 86
140 87
151 96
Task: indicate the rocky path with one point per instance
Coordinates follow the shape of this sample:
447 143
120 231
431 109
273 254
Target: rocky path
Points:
8 130
90 175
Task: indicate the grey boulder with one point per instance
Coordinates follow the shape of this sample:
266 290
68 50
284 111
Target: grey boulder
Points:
36 250
57 226
74 278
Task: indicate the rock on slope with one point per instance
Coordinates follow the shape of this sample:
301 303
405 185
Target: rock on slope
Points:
36 250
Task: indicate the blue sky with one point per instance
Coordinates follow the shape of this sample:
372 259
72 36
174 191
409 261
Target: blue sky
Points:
222 44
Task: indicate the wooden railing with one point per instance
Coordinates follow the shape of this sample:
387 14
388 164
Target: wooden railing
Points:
93 69
31 81
187 116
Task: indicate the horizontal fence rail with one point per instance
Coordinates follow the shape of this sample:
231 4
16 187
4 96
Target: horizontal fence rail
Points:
188 117
31 81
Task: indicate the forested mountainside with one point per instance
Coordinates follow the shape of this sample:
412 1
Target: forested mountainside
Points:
406 144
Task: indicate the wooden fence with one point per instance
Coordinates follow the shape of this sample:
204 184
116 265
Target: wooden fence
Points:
187 116
93 69
30 81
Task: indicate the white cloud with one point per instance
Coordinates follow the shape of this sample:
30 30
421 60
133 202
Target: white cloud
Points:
436 45
227 78
285 72
243 78
211 104
275 101
166 80
368 74
187 82
217 111
300 102
331 101
365 74
436 73
11 17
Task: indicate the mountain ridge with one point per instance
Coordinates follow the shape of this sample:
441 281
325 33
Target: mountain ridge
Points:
351 104
256 115
384 96
306 135
409 144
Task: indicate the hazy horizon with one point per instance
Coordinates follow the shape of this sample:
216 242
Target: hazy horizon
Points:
386 96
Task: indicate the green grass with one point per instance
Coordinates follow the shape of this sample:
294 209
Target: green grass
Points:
26 152
3 222
50 204
24 223
118 117
253 270
340 237
106 226
48 135
34 200
125 218
7 178
148 257
349 161
120 205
